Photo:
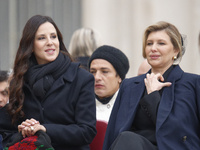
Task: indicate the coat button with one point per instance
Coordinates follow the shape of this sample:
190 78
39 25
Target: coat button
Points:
108 106
148 114
184 138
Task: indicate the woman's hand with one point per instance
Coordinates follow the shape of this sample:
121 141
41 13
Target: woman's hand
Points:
30 127
152 82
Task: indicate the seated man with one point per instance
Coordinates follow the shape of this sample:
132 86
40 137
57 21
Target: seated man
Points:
109 66
4 85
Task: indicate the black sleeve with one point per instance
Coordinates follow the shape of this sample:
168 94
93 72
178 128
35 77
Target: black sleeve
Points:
7 130
149 103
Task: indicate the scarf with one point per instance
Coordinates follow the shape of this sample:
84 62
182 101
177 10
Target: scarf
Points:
41 77
105 100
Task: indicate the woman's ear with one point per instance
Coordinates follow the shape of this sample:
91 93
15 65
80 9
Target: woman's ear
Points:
176 52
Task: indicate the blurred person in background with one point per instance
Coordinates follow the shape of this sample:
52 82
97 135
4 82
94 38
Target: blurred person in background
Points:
199 41
144 67
4 88
4 94
83 43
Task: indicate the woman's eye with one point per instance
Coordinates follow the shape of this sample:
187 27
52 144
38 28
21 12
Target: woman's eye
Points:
4 93
54 36
149 43
41 38
162 43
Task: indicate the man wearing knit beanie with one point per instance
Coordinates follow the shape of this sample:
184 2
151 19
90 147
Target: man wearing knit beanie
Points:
109 66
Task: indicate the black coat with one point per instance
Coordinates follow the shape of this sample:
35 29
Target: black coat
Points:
177 122
68 111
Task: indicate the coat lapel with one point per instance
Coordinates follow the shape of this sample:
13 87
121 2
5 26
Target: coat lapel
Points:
133 99
136 95
167 99
67 77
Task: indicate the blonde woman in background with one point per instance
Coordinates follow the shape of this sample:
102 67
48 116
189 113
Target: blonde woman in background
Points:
84 42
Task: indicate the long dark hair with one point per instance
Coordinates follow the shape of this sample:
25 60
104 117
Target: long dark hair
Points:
23 60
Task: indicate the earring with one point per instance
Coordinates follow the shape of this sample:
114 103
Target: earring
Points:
174 58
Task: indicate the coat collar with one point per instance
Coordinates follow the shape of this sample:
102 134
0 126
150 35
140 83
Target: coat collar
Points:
167 98
133 97
138 84
68 76
71 72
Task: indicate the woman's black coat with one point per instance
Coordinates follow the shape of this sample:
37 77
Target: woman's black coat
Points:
68 111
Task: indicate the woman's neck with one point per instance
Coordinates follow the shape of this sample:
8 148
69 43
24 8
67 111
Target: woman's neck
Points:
160 70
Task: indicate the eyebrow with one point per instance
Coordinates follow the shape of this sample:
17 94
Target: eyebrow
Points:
44 34
4 91
156 40
102 68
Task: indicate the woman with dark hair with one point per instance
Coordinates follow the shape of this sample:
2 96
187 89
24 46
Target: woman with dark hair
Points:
48 91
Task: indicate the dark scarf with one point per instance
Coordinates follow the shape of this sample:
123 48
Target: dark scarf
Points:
105 100
41 77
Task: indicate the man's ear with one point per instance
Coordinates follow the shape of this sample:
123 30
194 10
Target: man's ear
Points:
120 80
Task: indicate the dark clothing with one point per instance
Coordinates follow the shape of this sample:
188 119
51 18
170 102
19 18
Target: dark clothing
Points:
105 100
145 119
177 122
131 141
83 61
40 78
1 139
7 130
68 110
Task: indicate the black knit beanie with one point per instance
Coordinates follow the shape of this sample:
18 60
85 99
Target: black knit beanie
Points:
113 55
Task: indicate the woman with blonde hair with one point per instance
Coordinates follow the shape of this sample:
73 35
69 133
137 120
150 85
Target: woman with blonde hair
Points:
158 110
84 42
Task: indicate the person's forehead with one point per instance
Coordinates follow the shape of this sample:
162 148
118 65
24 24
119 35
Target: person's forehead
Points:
101 63
3 84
